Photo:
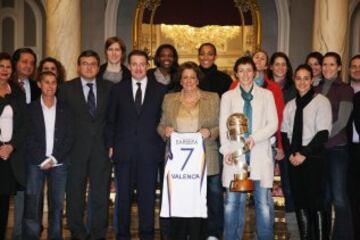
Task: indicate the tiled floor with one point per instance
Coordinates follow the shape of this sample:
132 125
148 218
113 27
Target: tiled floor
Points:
280 225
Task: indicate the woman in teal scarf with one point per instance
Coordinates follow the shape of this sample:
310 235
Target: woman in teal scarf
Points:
258 105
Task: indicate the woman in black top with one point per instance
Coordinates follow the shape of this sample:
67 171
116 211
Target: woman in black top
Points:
166 62
214 80
12 166
306 126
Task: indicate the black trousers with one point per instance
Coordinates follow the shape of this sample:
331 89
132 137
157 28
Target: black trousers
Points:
4 212
354 185
96 169
181 228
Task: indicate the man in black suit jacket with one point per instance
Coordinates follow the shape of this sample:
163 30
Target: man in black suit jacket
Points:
88 100
25 62
49 140
354 139
134 144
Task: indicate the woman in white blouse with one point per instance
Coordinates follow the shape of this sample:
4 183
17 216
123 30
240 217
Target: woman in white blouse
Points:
12 107
305 129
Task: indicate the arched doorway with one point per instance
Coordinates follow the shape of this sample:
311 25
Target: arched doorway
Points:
234 26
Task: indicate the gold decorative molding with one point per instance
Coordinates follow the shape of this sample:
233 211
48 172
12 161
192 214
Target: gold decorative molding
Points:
231 41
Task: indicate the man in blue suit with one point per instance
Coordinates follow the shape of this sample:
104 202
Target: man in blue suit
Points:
134 144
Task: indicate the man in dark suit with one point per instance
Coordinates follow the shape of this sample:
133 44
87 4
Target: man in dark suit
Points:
25 62
47 148
134 144
88 99
354 137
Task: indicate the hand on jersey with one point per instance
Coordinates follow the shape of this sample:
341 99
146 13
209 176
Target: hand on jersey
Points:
169 131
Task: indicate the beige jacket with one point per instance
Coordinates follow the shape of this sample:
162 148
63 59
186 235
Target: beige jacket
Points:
208 118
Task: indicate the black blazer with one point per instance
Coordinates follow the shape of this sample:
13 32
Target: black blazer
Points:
127 131
35 90
173 86
89 132
36 140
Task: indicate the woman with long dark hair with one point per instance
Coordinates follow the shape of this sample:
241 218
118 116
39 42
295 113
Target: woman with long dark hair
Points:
305 128
340 95
314 60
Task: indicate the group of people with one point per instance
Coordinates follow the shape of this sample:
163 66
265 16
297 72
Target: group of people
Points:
70 134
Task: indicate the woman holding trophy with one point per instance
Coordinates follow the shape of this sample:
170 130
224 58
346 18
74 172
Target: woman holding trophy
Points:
248 156
305 128
188 112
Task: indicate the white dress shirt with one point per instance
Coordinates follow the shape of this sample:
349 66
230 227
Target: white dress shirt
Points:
143 82
49 120
355 136
27 89
6 124
86 88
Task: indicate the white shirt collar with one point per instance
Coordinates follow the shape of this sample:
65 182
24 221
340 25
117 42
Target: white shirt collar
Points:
46 107
84 82
142 81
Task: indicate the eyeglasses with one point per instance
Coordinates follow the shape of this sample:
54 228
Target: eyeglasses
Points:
87 64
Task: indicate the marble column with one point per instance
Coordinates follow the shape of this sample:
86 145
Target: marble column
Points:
63 33
331 26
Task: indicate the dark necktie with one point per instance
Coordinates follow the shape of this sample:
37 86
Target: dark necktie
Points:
138 97
91 100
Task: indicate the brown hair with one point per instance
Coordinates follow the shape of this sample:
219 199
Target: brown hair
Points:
189 65
112 40
61 75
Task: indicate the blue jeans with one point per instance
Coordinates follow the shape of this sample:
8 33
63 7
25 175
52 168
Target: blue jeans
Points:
235 203
56 179
215 203
19 200
336 191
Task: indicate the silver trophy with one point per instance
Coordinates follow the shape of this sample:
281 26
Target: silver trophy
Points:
237 125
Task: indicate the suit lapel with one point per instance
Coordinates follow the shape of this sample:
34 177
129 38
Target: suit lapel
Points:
129 93
58 118
80 93
40 120
203 116
100 98
174 110
149 92
80 98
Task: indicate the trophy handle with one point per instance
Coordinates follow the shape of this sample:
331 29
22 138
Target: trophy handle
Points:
232 184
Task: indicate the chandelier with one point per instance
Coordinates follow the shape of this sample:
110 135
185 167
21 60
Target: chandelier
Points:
191 38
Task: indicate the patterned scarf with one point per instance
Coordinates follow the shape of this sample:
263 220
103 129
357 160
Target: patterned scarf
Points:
247 110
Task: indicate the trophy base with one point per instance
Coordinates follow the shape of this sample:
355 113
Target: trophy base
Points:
245 185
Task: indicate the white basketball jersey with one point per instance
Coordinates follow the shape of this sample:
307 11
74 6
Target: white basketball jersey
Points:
185 177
